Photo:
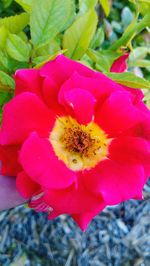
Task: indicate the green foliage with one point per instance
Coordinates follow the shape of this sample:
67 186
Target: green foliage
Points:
127 17
15 23
6 82
17 48
3 36
105 5
78 37
131 31
85 5
96 32
8 8
48 19
98 38
6 87
25 4
142 5
103 59
137 57
6 3
130 80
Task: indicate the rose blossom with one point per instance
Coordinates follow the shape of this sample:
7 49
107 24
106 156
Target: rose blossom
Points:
75 140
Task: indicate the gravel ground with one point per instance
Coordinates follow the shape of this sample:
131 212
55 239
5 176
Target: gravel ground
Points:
119 236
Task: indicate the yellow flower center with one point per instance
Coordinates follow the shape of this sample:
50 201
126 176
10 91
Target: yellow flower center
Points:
78 146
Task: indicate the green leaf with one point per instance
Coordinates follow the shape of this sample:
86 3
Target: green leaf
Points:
105 6
15 23
7 3
4 59
133 29
3 36
143 6
103 59
78 37
23 36
139 53
86 60
25 4
40 61
98 38
6 82
85 5
7 85
5 96
137 56
130 80
117 27
48 49
48 18
17 48
126 16
140 63
8 64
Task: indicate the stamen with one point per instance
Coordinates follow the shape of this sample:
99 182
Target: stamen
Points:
77 140
79 146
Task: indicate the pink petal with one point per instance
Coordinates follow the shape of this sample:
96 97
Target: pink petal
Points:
82 103
36 200
117 114
62 68
22 115
25 185
115 181
141 129
39 205
84 219
9 159
120 64
27 80
72 199
138 94
98 85
52 215
41 164
142 107
50 96
131 150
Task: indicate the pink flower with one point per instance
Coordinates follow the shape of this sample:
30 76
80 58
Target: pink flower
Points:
120 64
76 140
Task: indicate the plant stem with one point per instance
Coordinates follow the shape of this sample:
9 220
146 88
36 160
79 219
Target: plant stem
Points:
129 34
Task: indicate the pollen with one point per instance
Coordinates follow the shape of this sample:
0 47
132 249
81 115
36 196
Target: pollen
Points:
79 146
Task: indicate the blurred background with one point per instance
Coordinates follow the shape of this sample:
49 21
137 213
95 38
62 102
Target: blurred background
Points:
120 235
